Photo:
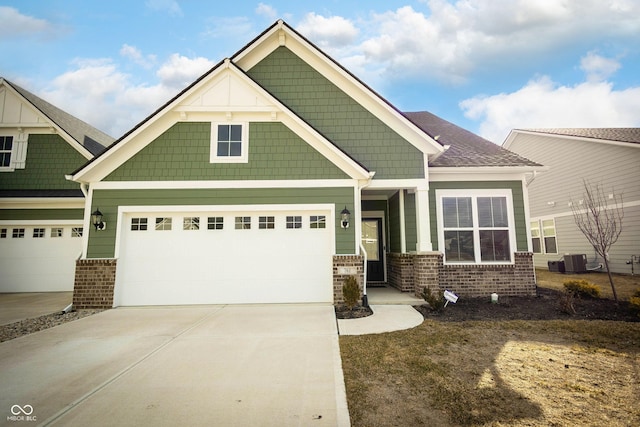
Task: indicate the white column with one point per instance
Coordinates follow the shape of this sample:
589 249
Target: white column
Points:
403 234
423 222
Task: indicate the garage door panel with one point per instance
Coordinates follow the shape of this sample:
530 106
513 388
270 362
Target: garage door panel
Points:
38 264
225 266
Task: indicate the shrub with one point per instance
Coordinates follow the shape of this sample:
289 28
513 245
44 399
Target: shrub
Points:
351 292
582 288
566 302
435 301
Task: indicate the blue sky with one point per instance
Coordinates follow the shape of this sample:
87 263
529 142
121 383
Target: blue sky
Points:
486 65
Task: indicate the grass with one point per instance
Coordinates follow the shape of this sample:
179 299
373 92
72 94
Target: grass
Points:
625 284
498 373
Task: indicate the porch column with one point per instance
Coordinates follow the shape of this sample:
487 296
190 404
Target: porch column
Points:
423 222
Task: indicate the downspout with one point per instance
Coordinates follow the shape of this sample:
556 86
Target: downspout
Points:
365 299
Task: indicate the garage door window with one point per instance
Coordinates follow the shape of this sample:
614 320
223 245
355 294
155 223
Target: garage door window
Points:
191 223
138 224
3 233
215 223
318 221
243 223
76 232
18 233
294 222
266 223
163 224
38 233
56 232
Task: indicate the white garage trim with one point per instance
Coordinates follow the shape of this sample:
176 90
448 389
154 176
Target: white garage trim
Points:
285 256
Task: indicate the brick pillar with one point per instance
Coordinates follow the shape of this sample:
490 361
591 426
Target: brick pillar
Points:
426 271
524 275
400 271
343 267
94 283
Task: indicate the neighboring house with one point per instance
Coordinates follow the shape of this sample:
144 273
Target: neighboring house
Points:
609 157
269 179
41 213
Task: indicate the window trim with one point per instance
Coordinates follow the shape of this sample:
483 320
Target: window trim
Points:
244 147
475 194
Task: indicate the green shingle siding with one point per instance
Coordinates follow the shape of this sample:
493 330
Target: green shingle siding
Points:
518 206
40 214
102 243
337 116
182 153
49 158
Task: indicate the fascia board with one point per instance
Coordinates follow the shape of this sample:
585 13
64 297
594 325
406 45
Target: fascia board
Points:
498 173
283 35
178 110
54 128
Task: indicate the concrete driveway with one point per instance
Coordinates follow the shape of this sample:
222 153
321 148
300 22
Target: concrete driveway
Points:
268 365
20 306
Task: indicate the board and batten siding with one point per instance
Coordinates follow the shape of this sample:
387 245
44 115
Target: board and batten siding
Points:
102 243
616 168
518 206
182 153
337 116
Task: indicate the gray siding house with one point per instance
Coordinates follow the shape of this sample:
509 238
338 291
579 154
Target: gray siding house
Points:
609 157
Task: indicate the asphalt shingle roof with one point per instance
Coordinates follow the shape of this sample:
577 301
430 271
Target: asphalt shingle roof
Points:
466 148
631 135
89 137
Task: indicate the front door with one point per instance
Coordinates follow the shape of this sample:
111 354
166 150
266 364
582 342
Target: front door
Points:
372 242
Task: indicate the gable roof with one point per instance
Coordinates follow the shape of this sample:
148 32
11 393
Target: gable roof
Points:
466 149
624 135
93 140
281 34
211 93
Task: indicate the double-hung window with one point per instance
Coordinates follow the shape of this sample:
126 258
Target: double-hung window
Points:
543 236
229 143
476 226
6 146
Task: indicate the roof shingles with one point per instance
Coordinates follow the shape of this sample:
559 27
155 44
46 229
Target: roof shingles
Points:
466 149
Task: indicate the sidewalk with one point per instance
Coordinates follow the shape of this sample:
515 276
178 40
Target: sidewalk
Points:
385 318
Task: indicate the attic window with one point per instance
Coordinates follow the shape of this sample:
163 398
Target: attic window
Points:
229 143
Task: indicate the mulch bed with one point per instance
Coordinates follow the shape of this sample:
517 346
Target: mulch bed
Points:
343 312
545 306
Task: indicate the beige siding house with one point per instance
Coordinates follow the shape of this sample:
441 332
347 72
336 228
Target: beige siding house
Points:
609 157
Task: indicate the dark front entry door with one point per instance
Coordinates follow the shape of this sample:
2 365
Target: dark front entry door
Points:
372 242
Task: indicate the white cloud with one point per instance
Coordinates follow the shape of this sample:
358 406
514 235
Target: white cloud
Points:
449 41
598 68
332 32
181 71
542 103
134 54
266 10
15 24
170 6
98 93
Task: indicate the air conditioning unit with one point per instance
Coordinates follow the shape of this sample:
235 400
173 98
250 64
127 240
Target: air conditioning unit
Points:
575 263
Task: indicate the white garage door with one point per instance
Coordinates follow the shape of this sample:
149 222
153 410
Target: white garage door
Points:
39 258
225 257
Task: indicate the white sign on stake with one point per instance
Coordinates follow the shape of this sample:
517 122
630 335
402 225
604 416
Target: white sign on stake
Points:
450 297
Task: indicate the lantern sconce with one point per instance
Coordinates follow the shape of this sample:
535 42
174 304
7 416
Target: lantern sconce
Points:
96 219
345 215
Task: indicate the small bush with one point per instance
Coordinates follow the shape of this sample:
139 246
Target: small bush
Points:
435 301
351 292
566 303
582 288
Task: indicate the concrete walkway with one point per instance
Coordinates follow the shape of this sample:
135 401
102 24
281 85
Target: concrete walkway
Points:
267 365
385 318
19 306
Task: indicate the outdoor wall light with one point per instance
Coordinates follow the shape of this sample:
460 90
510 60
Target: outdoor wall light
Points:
345 216
96 219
